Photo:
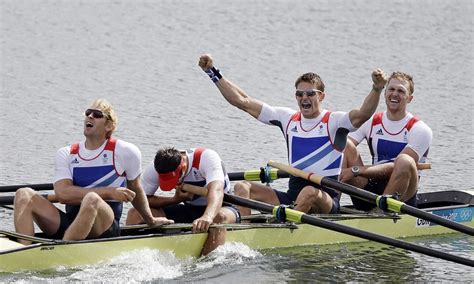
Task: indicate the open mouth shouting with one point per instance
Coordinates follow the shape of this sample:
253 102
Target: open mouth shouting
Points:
306 105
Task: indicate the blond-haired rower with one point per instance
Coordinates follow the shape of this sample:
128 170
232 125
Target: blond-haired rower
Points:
92 178
397 140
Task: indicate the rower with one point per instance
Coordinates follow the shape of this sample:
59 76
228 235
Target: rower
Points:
397 141
315 137
198 166
92 178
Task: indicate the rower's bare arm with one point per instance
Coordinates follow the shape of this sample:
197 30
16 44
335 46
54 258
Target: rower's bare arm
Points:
386 169
215 196
361 115
231 92
140 203
68 193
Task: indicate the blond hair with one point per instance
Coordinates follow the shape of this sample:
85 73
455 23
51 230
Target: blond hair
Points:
109 111
404 77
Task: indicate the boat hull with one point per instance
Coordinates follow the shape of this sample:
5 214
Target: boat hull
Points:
50 255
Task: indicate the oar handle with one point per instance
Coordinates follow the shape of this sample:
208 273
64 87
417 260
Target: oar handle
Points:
52 198
423 166
199 190
296 172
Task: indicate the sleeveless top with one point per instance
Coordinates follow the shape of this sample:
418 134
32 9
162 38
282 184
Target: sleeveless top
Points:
313 150
195 176
99 171
385 146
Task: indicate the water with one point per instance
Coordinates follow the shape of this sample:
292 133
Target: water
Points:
57 56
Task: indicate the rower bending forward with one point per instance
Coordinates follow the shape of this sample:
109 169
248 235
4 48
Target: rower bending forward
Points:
198 166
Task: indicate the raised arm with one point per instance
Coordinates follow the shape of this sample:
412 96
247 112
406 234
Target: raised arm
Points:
231 92
359 116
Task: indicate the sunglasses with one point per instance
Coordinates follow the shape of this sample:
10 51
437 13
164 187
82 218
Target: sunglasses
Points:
309 93
95 113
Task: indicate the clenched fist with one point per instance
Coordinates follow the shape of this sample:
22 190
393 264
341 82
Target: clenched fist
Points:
205 62
123 194
379 78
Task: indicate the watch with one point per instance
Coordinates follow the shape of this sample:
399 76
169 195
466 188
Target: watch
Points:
355 170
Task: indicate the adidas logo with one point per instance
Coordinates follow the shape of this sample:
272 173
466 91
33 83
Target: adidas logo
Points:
294 129
379 132
75 161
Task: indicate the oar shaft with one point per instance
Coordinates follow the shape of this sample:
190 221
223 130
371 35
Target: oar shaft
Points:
38 187
257 175
384 240
250 175
294 215
393 204
397 206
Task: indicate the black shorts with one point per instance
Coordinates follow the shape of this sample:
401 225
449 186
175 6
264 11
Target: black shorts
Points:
377 187
186 213
67 219
296 184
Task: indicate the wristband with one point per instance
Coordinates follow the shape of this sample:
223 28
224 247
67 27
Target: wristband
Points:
377 89
214 74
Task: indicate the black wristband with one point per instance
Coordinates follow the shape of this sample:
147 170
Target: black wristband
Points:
214 74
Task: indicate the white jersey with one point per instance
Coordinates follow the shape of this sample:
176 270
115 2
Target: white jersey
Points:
111 164
387 138
205 167
314 145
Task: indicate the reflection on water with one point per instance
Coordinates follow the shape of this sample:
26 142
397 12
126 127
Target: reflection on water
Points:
372 262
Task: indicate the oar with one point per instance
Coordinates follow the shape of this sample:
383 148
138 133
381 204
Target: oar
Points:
37 187
393 204
300 217
264 175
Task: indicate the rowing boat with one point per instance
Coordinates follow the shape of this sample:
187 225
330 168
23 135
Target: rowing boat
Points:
260 233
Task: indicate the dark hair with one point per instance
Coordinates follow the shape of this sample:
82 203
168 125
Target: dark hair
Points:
311 78
167 159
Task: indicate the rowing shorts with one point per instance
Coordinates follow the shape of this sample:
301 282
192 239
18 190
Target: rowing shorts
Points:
377 187
185 213
67 219
296 184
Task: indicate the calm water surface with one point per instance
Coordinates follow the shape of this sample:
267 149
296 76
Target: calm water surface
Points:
57 56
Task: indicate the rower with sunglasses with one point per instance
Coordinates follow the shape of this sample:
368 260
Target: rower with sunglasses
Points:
315 137
92 178
197 166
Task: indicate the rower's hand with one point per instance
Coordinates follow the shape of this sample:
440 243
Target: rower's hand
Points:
346 175
123 194
158 221
202 224
205 62
182 195
379 78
